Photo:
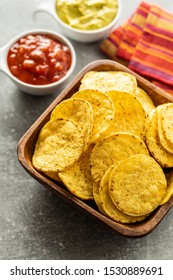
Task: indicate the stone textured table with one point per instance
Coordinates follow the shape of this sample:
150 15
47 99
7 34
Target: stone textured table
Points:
34 222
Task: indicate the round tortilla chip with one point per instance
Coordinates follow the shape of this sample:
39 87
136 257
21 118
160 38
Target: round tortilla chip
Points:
78 110
167 121
103 111
109 80
137 185
153 143
129 113
59 145
109 207
77 177
113 149
167 145
96 194
145 100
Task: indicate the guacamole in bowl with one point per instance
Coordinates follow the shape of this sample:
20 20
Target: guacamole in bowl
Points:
87 14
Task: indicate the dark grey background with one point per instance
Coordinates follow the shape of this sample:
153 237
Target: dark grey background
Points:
34 222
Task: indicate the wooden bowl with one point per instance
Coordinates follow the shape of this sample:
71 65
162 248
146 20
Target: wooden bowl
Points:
27 143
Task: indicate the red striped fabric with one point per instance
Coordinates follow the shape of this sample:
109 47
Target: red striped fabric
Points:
134 30
150 60
146 44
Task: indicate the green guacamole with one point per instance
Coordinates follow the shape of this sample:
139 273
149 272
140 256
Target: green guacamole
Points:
87 14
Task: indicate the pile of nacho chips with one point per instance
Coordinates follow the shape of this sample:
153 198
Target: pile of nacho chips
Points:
109 143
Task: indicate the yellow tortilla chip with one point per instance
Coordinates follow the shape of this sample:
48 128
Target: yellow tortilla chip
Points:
109 207
129 113
60 144
78 110
145 100
137 185
153 143
77 177
167 145
113 149
103 111
96 194
167 121
109 80
169 190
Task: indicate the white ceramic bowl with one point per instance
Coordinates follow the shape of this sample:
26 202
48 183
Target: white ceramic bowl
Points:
29 88
86 36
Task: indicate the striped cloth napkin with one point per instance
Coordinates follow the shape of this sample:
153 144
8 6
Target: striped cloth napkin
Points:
145 44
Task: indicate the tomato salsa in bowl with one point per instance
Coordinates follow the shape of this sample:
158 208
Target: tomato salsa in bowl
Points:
38 61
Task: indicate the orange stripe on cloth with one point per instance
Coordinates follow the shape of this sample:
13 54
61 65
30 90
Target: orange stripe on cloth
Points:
110 45
147 67
153 51
158 43
158 34
133 32
126 51
117 35
152 63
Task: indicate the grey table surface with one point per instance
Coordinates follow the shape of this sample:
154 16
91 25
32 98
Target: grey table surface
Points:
34 222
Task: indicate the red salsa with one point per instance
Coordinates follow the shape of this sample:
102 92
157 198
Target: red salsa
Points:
39 59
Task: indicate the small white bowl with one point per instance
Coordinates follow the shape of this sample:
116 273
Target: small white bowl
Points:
30 88
85 36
